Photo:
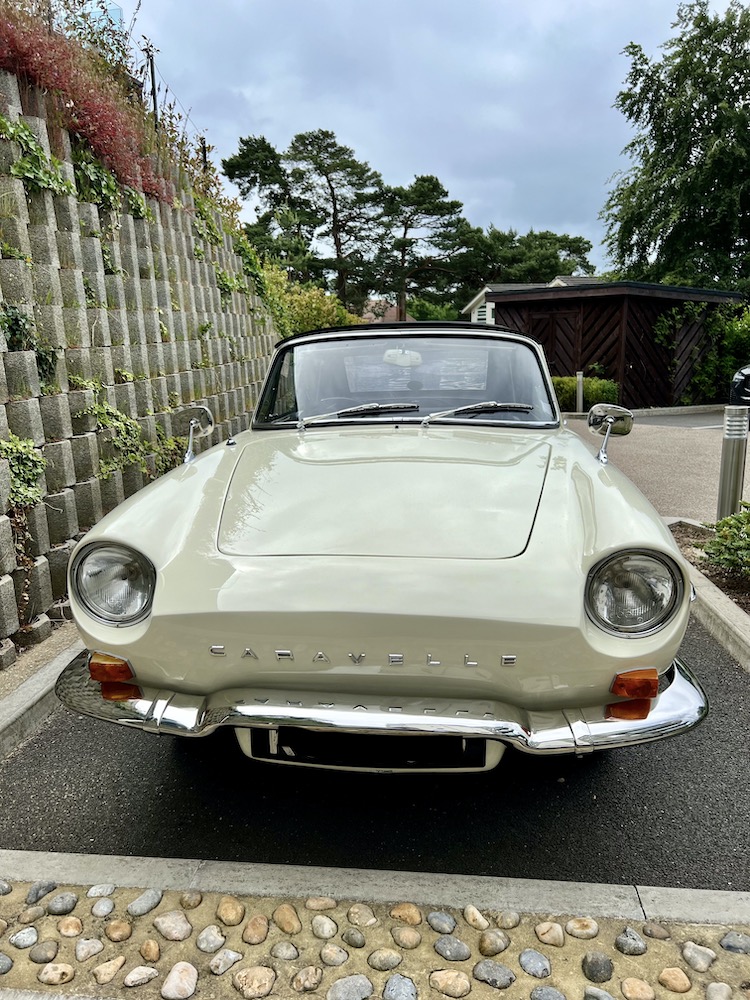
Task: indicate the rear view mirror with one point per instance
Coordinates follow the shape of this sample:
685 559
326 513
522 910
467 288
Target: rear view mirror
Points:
402 358
604 417
198 417
194 422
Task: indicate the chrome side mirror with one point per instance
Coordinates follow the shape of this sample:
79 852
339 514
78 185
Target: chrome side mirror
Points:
605 419
195 422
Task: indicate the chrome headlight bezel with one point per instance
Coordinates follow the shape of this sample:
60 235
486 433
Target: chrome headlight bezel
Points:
601 574
132 561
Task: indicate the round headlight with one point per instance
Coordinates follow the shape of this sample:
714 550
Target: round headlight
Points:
634 593
114 583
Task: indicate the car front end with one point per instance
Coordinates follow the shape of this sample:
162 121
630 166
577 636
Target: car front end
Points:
399 592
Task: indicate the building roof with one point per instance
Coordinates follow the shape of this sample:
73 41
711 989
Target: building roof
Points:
597 288
559 281
380 311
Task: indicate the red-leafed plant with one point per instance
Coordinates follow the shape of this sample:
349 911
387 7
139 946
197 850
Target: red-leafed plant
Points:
90 100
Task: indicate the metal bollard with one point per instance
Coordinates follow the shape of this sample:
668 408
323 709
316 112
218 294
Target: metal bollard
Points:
579 392
733 451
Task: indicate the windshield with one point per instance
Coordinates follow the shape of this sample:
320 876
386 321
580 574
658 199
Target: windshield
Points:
409 378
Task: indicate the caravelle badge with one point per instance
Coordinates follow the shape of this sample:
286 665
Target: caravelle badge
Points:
393 659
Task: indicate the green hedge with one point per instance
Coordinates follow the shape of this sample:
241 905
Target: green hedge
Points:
595 390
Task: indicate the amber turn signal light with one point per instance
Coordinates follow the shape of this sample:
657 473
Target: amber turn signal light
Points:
629 710
120 692
642 683
103 667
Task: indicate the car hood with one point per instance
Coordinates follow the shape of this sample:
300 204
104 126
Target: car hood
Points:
398 491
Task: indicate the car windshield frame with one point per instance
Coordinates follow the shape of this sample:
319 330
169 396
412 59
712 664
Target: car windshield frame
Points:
427 377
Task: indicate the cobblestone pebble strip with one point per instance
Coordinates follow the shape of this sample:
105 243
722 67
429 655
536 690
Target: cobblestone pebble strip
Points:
106 941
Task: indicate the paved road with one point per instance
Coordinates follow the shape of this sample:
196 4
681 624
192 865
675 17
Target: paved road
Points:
674 459
674 814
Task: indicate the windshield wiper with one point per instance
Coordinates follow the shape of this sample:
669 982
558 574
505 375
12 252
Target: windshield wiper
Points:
490 406
363 408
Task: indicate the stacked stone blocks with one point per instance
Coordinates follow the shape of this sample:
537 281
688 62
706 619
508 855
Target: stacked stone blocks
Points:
131 306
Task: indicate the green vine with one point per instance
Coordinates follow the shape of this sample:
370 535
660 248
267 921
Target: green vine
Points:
20 334
17 327
127 444
136 204
251 264
228 283
38 171
9 252
27 465
125 439
77 382
204 222
169 452
724 346
95 183
109 261
274 293
92 302
668 326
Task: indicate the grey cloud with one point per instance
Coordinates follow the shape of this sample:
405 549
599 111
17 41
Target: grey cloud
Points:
510 105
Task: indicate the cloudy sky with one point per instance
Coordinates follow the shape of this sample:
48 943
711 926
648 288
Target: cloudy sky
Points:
508 103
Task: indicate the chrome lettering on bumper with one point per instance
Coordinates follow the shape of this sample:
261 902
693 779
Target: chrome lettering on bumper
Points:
679 707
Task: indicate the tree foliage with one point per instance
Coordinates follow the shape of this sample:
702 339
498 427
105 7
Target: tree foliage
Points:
330 219
297 307
681 213
727 348
504 256
317 205
418 231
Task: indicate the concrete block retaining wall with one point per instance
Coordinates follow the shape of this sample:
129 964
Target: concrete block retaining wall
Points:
117 299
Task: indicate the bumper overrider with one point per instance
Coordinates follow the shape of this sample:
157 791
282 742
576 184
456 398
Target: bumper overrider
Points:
680 705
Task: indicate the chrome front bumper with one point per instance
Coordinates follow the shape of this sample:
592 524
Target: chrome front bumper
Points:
681 705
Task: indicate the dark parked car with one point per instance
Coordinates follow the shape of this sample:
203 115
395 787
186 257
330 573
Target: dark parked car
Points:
739 392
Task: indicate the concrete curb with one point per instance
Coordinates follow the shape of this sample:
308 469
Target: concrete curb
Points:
34 995
26 708
665 411
552 898
656 411
720 616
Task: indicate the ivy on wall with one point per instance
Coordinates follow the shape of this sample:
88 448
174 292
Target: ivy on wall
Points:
34 167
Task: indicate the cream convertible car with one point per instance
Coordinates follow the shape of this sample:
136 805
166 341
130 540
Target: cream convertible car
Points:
408 563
